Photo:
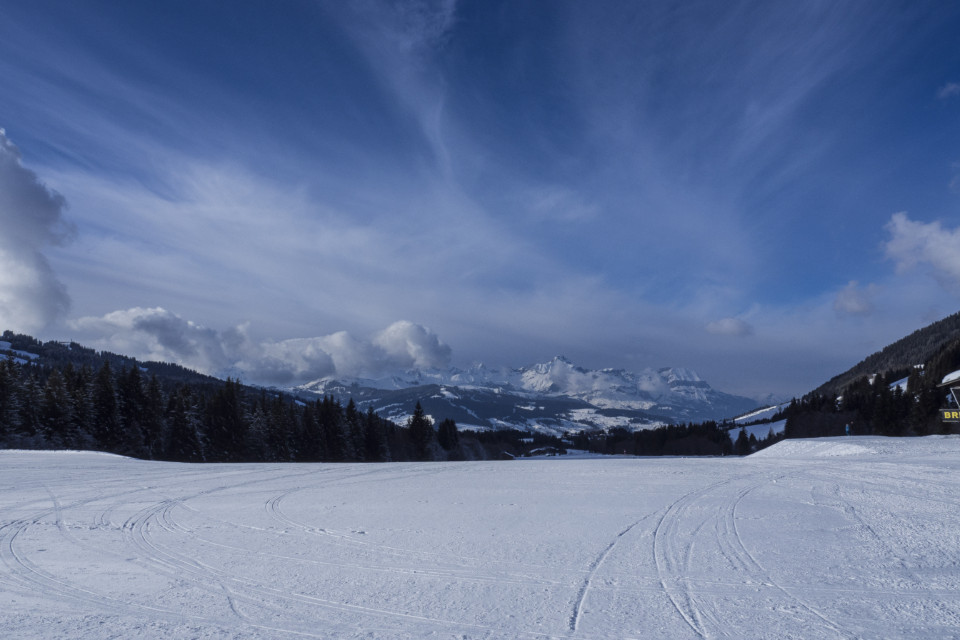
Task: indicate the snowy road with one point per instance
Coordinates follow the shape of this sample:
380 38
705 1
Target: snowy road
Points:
833 538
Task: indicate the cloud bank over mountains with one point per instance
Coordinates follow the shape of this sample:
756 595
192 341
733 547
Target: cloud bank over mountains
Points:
158 334
31 220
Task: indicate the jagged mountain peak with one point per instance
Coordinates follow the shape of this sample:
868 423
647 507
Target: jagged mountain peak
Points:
599 397
674 375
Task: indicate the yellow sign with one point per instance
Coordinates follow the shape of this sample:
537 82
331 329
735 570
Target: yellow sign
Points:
949 415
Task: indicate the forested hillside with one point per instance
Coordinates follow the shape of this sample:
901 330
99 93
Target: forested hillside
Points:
901 397
873 404
917 348
64 396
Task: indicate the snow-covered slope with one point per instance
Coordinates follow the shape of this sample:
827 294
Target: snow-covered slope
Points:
20 357
759 431
870 448
564 396
818 539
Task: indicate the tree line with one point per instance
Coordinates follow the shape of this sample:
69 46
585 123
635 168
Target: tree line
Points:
921 346
75 398
875 405
124 412
709 438
72 397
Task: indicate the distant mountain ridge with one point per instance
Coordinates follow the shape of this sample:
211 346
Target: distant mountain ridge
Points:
555 396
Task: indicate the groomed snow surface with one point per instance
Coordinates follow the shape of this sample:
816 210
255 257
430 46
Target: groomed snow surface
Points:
829 538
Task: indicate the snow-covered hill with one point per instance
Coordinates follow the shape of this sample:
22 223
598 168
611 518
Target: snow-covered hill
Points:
814 539
555 396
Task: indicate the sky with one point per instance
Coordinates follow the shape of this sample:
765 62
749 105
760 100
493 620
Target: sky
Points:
764 192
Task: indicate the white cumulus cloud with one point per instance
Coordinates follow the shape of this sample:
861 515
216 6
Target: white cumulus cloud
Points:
913 244
409 344
159 334
31 220
854 299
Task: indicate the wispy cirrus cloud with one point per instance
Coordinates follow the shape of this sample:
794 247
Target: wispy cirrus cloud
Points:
616 184
730 327
948 90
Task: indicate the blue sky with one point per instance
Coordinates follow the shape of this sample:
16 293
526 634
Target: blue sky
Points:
765 192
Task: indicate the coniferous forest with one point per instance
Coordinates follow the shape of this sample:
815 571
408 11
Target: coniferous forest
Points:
71 397
65 396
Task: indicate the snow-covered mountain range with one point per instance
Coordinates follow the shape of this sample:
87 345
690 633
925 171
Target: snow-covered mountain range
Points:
554 396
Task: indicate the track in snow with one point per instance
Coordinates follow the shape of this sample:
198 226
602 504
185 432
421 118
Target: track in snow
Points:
846 547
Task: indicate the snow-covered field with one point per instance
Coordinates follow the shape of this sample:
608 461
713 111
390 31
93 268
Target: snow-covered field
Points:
831 538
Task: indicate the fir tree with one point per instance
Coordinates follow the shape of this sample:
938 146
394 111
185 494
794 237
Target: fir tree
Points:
281 423
55 415
421 433
447 435
9 397
353 432
31 399
742 445
153 422
83 412
225 428
131 401
106 410
307 443
375 437
256 444
182 442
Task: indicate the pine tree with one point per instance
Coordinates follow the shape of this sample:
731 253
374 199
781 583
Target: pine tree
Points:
447 435
307 443
9 398
55 415
83 412
421 433
182 442
281 424
256 444
333 431
742 445
224 424
106 410
153 419
31 399
353 431
375 437
131 400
